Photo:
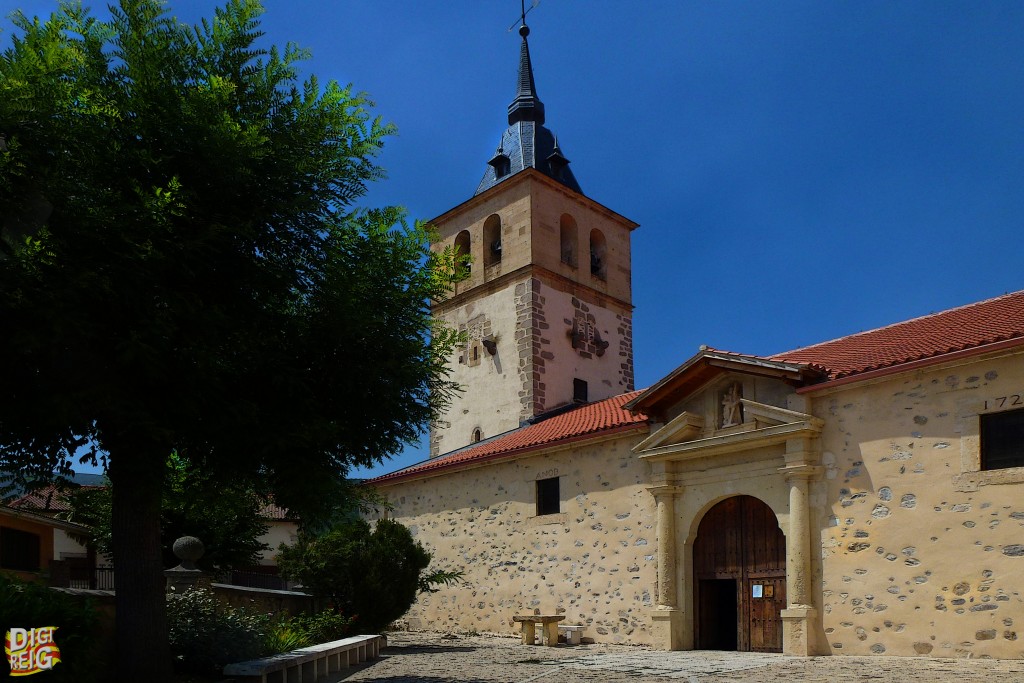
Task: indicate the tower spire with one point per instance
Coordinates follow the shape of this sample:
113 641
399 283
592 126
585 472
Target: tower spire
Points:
526 106
526 143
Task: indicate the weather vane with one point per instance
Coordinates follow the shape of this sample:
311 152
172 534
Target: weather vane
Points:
524 12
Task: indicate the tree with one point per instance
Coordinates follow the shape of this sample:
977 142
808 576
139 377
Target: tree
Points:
224 515
182 269
372 575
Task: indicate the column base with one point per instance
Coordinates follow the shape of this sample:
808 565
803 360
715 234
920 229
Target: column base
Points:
798 624
667 628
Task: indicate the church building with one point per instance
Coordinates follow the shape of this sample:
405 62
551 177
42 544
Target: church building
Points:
863 495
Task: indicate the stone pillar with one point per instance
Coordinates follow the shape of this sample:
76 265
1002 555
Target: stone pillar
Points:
798 561
800 618
666 616
666 546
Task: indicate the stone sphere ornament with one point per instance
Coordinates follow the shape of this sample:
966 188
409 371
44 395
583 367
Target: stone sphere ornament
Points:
188 549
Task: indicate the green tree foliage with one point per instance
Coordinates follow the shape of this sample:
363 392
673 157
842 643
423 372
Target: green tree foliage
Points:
182 269
371 575
224 515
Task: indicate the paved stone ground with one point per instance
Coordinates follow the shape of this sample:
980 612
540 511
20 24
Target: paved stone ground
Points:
439 658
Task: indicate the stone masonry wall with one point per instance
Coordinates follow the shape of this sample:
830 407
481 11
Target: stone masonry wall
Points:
594 561
921 553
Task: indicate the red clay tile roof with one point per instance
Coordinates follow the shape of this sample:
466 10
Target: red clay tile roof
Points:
601 417
47 499
966 327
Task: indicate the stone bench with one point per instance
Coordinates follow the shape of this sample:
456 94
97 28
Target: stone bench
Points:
549 627
308 664
573 634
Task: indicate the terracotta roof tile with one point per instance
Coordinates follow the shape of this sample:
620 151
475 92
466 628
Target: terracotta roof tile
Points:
966 327
591 419
47 499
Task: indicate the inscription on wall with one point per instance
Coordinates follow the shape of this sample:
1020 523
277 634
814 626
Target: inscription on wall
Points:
1004 401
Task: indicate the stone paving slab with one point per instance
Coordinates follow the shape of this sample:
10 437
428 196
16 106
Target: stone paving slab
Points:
448 658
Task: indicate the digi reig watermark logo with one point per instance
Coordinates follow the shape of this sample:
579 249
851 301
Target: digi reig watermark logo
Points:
31 650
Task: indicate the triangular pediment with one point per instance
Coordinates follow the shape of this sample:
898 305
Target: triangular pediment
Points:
683 439
764 415
684 427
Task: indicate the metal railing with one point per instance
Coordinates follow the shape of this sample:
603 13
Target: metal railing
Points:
99 578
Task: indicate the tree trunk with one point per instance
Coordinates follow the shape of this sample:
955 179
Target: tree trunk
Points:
136 472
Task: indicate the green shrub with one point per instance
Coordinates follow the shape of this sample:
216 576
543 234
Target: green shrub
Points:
284 636
307 629
373 576
325 626
206 634
31 605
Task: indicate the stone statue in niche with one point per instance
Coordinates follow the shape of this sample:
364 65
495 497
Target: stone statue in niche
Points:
732 413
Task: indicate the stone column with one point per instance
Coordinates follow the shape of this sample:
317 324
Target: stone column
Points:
666 616
800 618
665 497
798 561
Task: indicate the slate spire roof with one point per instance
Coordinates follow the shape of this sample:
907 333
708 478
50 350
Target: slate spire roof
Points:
526 143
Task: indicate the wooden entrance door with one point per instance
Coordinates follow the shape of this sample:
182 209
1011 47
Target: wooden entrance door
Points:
739 563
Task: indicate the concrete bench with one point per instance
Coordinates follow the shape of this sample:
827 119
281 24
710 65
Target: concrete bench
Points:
573 634
310 663
549 628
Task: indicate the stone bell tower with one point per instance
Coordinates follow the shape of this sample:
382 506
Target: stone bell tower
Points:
547 308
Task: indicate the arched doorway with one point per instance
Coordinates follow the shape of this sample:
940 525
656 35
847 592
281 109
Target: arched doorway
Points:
739 568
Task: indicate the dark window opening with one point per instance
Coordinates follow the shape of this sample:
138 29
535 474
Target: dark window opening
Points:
462 249
19 550
579 390
548 498
1002 440
568 238
598 251
476 435
492 240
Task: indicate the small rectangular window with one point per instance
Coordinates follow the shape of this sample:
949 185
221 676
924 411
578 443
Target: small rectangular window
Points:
548 497
579 390
19 550
1002 440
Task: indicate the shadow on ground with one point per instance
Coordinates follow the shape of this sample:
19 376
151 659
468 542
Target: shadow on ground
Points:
424 649
427 679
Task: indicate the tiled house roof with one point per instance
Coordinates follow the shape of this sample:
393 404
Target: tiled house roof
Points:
958 329
599 418
47 500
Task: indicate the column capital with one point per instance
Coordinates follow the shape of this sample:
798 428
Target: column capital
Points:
665 490
801 472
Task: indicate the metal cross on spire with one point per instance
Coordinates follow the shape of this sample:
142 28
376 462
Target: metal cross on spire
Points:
524 12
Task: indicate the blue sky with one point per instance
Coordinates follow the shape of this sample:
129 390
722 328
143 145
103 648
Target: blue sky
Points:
800 170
